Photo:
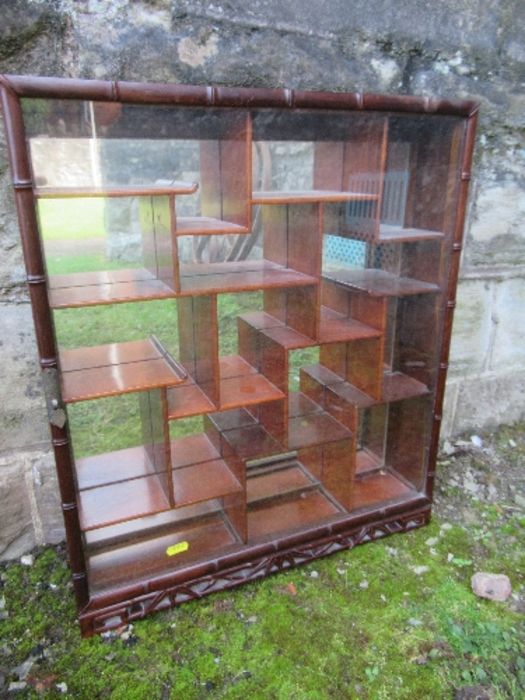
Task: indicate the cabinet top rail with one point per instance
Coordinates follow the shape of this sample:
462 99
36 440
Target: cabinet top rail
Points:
215 96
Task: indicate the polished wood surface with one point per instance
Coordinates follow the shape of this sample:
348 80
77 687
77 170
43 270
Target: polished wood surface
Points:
290 515
205 225
380 283
114 368
298 197
48 192
148 558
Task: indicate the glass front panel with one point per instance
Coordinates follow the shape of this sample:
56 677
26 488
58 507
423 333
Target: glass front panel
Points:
275 363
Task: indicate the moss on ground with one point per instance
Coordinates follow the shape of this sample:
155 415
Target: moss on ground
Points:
392 619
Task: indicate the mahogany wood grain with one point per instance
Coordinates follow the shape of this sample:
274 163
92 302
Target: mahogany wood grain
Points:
338 470
115 379
280 482
112 467
191 450
238 277
252 442
203 481
366 461
173 188
113 503
198 342
115 293
378 488
206 225
290 515
389 233
315 429
380 283
336 328
310 197
156 438
188 400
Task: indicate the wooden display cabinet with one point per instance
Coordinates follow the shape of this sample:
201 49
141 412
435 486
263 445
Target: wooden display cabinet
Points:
283 402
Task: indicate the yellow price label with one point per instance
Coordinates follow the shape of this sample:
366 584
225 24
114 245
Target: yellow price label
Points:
178 548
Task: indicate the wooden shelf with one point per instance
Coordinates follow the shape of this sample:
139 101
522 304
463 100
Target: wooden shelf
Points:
380 283
398 234
315 429
366 461
301 405
239 385
113 467
192 449
379 487
240 276
206 226
398 386
336 328
133 531
144 559
173 188
188 400
301 510
278 483
203 482
115 368
310 196
113 503
105 287
252 442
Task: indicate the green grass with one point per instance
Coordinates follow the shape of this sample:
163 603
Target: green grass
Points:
71 219
328 636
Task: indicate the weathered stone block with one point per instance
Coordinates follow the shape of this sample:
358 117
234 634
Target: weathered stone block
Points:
490 400
23 418
16 523
508 316
472 327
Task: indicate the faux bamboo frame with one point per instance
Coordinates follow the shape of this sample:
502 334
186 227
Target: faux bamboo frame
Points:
194 581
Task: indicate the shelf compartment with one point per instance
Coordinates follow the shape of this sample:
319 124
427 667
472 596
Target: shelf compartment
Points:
315 429
127 500
192 449
310 197
252 442
366 461
300 405
203 481
278 483
116 368
241 385
398 386
379 487
207 226
389 233
299 511
133 531
188 400
112 467
105 287
239 276
335 327
380 283
173 188
141 560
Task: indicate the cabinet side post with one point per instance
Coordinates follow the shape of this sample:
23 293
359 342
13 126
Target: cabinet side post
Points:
451 286
43 322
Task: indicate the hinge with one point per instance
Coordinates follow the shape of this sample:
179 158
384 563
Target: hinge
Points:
55 409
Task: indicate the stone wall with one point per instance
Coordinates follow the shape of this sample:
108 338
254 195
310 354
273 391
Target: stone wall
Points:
463 48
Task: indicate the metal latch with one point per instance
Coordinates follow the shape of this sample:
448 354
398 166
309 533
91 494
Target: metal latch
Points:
55 411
